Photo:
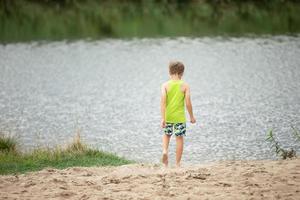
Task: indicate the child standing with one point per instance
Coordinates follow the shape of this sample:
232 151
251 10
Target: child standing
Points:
174 94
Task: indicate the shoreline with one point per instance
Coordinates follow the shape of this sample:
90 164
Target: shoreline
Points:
241 179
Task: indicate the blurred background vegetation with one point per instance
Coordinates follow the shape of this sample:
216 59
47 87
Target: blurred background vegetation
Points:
25 20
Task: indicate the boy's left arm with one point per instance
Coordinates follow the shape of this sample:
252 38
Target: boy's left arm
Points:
188 103
163 102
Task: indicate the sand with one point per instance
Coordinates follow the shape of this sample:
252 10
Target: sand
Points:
264 179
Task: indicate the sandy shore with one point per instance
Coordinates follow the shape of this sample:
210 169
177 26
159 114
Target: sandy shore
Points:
223 180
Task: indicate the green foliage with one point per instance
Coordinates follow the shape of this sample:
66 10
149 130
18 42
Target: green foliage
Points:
7 143
283 153
23 20
296 133
75 154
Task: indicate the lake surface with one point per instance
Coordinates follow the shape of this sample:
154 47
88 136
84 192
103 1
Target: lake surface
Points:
109 90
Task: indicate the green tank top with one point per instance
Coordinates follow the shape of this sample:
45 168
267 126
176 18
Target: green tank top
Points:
175 102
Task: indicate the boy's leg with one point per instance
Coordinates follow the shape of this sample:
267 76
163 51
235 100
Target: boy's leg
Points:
180 129
179 149
166 141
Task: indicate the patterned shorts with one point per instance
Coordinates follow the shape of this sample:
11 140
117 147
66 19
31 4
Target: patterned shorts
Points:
178 129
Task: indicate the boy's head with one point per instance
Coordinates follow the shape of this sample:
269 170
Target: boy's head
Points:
176 68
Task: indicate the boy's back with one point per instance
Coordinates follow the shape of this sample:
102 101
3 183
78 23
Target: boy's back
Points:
175 102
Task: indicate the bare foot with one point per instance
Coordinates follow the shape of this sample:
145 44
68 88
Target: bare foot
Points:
165 159
178 165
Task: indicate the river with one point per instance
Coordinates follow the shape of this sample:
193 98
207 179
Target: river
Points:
109 90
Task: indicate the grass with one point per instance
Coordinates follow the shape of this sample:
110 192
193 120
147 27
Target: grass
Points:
279 150
26 20
74 154
7 144
296 133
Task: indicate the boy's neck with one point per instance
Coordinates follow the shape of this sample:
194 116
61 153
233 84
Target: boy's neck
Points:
175 77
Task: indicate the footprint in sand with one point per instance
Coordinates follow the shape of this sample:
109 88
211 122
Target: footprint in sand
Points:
88 174
84 197
90 182
63 188
77 184
248 174
50 170
223 184
56 180
29 184
13 179
197 176
66 194
98 187
127 177
110 180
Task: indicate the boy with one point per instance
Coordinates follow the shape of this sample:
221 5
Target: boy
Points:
174 93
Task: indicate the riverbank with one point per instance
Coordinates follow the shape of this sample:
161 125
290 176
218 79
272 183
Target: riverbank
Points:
12 161
29 20
262 179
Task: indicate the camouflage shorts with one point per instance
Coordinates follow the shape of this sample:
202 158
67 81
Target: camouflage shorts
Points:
178 129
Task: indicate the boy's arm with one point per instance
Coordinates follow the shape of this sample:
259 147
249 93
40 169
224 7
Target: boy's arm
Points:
163 102
188 103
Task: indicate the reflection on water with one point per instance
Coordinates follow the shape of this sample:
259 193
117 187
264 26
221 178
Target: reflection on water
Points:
110 90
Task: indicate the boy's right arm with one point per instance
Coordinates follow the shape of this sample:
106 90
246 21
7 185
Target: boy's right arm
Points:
188 103
163 102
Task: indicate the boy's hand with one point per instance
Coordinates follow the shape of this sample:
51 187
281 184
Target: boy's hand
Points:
193 120
163 123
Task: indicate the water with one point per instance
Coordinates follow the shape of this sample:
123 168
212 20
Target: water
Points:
109 90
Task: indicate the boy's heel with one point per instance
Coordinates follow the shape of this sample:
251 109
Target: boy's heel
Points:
165 159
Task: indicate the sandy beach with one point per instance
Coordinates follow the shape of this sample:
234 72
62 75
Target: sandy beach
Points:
262 179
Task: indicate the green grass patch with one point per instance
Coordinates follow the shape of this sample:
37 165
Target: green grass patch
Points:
7 143
74 154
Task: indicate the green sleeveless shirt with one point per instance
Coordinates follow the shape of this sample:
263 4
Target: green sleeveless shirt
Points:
175 102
